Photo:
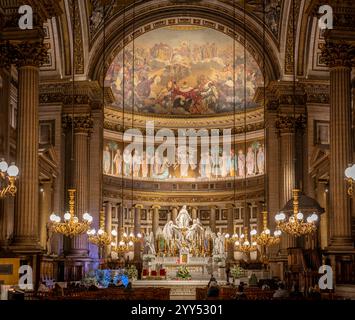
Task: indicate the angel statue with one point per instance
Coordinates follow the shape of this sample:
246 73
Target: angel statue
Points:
183 219
168 231
149 247
218 244
195 229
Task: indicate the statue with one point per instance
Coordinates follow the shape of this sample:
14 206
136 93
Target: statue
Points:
149 247
250 162
241 163
107 160
218 245
195 229
183 219
260 160
118 162
168 231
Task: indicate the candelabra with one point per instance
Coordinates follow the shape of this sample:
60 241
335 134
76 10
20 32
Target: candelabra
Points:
265 238
350 178
243 244
71 226
296 226
100 238
8 176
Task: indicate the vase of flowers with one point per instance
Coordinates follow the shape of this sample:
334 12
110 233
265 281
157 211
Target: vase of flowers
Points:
183 273
237 272
131 272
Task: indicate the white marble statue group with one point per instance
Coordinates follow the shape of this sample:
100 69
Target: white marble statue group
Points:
187 233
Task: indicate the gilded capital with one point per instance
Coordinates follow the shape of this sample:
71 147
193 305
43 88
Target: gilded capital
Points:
24 53
338 54
82 123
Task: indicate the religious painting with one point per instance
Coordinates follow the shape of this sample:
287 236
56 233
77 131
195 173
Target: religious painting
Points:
240 162
184 70
321 133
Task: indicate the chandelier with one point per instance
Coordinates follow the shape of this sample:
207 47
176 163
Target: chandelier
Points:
265 238
243 244
126 244
295 225
71 226
350 178
100 238
8 175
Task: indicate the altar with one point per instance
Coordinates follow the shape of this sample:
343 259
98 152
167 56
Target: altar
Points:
197 266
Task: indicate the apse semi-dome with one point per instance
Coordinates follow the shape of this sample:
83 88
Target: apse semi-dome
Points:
171 75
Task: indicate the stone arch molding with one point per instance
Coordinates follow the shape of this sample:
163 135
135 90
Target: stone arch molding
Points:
121 29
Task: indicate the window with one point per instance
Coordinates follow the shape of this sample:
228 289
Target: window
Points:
46 133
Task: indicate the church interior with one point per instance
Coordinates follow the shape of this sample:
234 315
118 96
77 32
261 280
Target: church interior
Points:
174 147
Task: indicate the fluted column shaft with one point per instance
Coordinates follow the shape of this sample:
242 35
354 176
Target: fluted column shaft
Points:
340 154
230 230
45 211
137 229
213 218
194 213
287 157
4 148
26 213
174 213
79 244
108 224
155 225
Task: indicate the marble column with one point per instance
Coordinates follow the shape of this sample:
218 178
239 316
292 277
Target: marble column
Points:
108 224
230 230
339 57
286 126
45 212
174 212
4 148
155 225
29 57
137 229
213 218
82 128
194 213
119 221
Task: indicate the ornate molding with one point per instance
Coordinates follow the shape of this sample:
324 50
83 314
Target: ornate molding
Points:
338 54
288 123
78 39
24 53
289 54
82 123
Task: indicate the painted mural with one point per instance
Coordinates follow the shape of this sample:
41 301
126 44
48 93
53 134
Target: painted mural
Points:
242 162
184 70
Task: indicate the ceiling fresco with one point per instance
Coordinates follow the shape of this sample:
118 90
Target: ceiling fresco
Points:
184 70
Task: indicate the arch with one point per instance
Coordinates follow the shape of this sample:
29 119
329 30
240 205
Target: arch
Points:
147 18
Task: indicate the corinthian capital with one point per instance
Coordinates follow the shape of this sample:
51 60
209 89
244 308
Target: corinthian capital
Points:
288 124
82 123
24 53
338 54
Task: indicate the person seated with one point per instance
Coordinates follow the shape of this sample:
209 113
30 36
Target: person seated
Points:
213 290
281 292
296 293
240 294
212 279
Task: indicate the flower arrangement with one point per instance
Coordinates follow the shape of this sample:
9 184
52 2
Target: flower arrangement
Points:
237 272
131 272
103 277
183 273
90 280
